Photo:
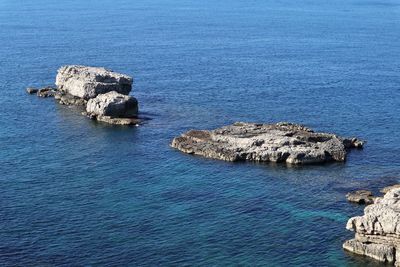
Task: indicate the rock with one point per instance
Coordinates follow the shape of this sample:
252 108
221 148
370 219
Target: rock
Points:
114 108
353 143
42 92
280 142
88 82
119 121
379 252
67 99
361 197
377 232
31 90
388 188
46 92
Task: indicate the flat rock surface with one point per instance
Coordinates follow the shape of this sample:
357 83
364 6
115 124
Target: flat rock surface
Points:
280 142
87 82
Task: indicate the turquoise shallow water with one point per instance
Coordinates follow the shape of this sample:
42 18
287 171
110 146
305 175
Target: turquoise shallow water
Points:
77 193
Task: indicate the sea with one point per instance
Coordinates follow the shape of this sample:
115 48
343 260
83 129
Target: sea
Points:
74 192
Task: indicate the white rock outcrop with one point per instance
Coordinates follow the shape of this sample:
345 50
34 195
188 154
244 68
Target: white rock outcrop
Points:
113 107
88 82
377 232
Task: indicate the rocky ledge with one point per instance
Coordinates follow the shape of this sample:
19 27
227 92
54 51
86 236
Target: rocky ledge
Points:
103 93
377 232
280 142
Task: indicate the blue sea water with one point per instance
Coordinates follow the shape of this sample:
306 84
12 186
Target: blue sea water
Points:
78 193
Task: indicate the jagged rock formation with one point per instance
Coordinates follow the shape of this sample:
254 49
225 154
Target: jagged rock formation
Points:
113 108
280 142
361 197
377 232
103 93
88 82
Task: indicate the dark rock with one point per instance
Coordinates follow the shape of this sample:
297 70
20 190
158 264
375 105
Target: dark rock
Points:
46 92
31 90
68 100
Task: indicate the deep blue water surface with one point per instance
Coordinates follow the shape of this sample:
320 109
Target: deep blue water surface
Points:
77 193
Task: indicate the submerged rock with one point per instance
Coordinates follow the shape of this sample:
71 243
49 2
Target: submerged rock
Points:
116 121
280 142
114 108
361 197
377 232
31 90
88 82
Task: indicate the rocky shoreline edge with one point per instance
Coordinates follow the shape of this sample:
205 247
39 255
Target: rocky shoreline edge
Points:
103 93
377 232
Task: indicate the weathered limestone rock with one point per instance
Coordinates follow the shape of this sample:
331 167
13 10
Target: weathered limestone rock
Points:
113 108
377 232
388 188
88 82
361 197
103 93
280 142
379 252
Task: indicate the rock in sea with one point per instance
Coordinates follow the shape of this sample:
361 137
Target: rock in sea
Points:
88 82
67 99
377 232
47 92
114 108
31 90
103 93
280 142
361 197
